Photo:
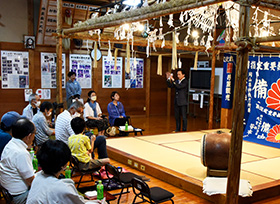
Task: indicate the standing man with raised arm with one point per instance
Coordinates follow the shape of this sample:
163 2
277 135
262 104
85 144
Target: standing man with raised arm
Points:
180 101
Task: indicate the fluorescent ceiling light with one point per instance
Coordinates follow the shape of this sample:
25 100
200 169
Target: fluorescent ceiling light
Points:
131 2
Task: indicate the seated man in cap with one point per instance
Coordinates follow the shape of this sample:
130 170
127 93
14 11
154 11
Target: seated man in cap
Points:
33 107
7 120
16 170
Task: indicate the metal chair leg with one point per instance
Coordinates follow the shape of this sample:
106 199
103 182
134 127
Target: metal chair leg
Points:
120 195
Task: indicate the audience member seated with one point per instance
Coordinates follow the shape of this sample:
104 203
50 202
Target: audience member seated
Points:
116 111
7 120
101 139
16 170
43 131
46 187
63 128
81 146
92 109
33 107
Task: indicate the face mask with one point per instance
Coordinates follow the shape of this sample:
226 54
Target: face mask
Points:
38 103
93 98
49 114
76 114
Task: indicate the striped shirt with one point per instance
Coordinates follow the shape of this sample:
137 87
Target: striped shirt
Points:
63 128
42 129
79 145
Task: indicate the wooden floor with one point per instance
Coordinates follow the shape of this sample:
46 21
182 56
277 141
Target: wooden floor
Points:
160 125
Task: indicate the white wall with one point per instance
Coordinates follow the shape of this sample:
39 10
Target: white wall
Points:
15 19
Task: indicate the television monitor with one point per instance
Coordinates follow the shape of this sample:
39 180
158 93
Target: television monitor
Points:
200 79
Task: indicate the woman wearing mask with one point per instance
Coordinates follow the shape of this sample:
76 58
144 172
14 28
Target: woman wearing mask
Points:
92 109
43 131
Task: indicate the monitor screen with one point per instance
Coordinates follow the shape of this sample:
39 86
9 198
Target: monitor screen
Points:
200 79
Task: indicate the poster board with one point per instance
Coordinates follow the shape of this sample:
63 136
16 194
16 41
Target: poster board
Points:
48 70
111 76
81 65
14 70
135 78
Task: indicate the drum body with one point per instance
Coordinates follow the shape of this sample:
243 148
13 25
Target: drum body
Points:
215 150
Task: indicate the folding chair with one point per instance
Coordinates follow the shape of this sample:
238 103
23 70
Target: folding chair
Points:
74 163
155 194
123 179
7 196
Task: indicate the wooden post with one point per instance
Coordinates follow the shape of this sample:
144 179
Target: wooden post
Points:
213 65
169 93
211 102
238 106
30 4
226 118
148 86
59 53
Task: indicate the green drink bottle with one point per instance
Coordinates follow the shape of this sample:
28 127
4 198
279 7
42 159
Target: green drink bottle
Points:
68 172
126 126
35 163
99 189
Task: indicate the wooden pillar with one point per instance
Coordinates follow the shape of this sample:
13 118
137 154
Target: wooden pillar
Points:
30 6
226 118
238 106
211 102
148 86
169 92
59 54
213 65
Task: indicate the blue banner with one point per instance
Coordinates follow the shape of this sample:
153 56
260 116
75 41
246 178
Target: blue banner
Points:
262 108
228 80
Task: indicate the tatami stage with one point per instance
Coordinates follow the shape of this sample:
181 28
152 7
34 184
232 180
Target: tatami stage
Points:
175 159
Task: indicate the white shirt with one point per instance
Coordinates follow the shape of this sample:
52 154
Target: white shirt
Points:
28 112
15 167
89 112
63 128
46 189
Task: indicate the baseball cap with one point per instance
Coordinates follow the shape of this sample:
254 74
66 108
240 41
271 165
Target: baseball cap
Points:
9 118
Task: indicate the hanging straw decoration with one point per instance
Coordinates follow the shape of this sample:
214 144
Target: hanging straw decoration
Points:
109 52
95 55
159 68
160 21
179 62
115 57
127 70
174 52
195 60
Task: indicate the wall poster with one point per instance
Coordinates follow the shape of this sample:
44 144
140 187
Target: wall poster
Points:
14 70
48 70
135 79
111 75
81 65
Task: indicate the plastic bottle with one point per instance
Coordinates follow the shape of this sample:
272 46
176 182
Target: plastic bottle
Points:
126 126
68 172
32 153
99 189
35 163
